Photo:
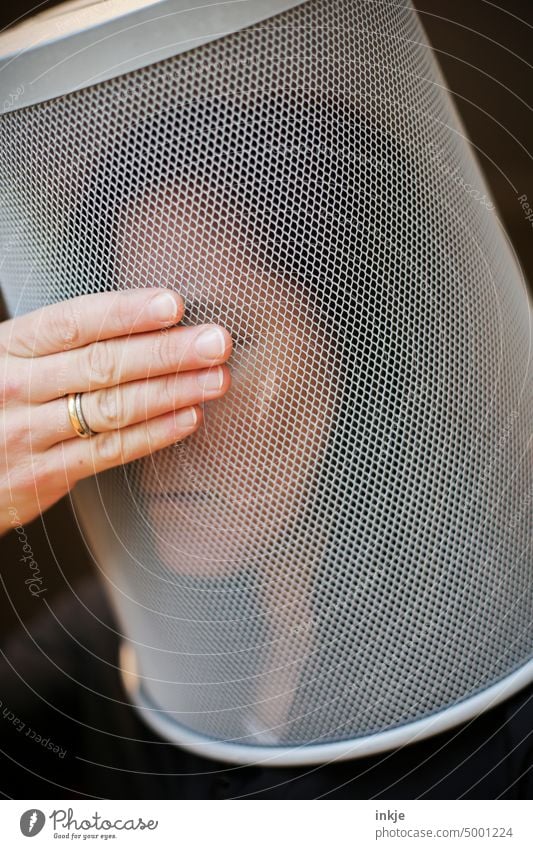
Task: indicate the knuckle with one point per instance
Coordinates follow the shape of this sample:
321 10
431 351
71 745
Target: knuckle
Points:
14 387
101 364
64 325
109 408
167 392
161 351
109 448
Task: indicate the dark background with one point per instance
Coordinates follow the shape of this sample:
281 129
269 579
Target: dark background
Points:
485 53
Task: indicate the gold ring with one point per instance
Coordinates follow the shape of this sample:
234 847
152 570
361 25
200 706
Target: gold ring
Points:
76 416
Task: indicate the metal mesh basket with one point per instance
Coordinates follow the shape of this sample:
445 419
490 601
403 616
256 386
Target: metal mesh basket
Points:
341 559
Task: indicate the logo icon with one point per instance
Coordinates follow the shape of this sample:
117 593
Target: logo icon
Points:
31 822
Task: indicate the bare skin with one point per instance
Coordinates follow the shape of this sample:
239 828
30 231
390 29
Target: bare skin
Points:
143 381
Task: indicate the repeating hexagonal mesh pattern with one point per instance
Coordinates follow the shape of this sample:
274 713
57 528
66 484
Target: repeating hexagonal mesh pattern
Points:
346 545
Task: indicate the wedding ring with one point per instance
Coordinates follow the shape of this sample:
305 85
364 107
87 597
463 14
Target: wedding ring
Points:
76 416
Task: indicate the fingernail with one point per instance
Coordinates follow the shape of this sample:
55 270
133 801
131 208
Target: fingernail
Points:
186 418
211 343
212 379
163 307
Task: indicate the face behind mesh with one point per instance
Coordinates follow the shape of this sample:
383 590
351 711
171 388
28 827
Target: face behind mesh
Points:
344 548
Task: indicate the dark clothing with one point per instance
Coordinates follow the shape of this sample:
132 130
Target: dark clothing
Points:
67 731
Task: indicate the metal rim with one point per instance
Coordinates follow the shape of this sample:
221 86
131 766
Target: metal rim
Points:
117 46
317 753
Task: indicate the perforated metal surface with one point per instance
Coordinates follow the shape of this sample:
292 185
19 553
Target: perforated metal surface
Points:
346 546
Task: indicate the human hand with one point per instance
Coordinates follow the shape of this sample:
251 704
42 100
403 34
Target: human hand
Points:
142 381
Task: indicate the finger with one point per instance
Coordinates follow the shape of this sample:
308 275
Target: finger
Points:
115 361
81 458
129 403
88 318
